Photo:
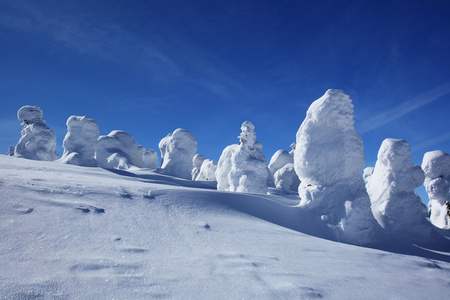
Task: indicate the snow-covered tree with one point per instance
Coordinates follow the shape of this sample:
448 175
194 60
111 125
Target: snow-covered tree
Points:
243 168
286 178
80 141
177 153
38 142
119 150
197 162
436 165
395 205
279 160
329 160
11 151
207 171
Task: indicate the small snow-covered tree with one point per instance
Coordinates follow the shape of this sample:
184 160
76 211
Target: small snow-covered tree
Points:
436 165
80 141
207 171
119 150
395 205
177 153
243 168
38 141
197 162
286 178
328 160
279 160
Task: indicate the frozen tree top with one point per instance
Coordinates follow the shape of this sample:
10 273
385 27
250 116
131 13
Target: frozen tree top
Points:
30 114
436 164
328 147
248 135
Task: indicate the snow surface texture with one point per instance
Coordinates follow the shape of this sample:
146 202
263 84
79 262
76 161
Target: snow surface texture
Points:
177 153
286 178
436 165
88 233
38 142
242 168
391 186
329 160
118 150
207 171
80 141
197 162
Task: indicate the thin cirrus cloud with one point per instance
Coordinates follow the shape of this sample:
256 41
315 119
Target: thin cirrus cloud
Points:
112 43
432 142
405 108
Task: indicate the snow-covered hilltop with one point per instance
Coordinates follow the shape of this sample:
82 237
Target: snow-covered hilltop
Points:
105 222
324 166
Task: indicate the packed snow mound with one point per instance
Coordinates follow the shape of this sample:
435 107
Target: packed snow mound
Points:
279 160
328 160
436 165
207 171
197 162
38 141
80 141
395 205
119 150
177 153
242 168
286 179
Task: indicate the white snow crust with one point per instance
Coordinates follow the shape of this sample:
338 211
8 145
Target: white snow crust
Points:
119 150
71 232
207 171
177 153
436 165
391 186
328 161
242 168
80 141
38 141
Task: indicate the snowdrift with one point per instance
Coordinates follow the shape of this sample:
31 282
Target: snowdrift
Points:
71 232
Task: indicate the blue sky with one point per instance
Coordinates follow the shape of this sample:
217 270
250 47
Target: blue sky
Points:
149 67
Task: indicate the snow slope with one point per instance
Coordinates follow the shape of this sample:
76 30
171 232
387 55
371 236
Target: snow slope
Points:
71 232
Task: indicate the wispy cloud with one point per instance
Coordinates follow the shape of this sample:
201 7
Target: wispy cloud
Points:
108 41
431 142
404 108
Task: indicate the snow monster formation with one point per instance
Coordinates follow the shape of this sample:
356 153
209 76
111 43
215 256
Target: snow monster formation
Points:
436 165
207 171
395 205
279 160
38 142
286 178
242 168
177 153
281 168
329 160
80 141
118 150
197 162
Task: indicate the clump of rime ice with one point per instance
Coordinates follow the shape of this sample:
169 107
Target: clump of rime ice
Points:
80 141
395 205
286 178
283 177
436 165
197 162
279 160
243 168
118 150
177 153
38 142
329 160
207 171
